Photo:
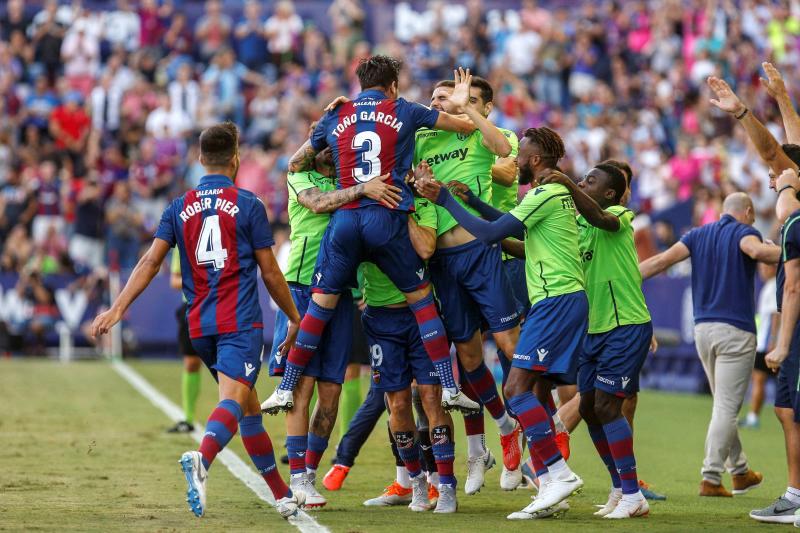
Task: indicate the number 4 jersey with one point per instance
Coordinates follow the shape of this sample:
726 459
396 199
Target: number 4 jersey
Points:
217 228
371 136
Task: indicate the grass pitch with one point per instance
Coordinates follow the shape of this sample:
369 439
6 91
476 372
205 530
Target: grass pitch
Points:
82 450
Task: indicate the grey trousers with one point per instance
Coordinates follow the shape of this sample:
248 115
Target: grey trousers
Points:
727 354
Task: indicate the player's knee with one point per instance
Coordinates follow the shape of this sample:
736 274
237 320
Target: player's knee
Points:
328 394
586 408
400 404
785 416
607 407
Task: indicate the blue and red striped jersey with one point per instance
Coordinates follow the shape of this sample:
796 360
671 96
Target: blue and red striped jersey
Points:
217 228
371 136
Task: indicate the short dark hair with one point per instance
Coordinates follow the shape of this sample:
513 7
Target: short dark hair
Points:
793 151
378 71
219 144
616 179
549 142
487 93
623 166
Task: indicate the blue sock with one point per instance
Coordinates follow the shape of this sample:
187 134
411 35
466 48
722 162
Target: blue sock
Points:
444 451
620 443
316 447
296 446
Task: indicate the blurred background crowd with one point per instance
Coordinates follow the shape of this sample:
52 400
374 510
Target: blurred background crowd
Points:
101 104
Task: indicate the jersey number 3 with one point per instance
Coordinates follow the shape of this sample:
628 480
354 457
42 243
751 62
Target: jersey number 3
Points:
209 246
368 143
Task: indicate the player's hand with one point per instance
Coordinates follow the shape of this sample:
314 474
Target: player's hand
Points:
460 95
726 98
459 189
775 358
339 100
774 82
292 329
104 322
556 177
787 177
653 344
426 183
380 191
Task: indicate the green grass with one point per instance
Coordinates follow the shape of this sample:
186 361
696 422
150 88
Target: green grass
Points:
82 450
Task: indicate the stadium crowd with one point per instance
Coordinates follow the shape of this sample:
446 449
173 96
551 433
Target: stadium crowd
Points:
99 111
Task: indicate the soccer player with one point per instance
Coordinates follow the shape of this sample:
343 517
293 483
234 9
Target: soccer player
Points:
397 357
471 284
371 136
224 237
556 324
785 357
312 197
190 380
619 329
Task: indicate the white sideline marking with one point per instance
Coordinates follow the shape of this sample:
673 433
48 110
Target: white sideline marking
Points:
240 470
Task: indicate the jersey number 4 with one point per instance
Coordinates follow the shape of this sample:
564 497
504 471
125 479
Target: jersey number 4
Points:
369 144
209 246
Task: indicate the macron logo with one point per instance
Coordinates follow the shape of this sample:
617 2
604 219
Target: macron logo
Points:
542 353
625 382
420 273
249 368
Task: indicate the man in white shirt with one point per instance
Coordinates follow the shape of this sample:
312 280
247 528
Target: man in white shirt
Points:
167 121
121 27
184 92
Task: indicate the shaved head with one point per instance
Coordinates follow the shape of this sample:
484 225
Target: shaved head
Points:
737 203
740 207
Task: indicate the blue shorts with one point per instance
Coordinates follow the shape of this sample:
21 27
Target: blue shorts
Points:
515 270
611 361
330 361
397 354
786 391
371 233
552 337
237 355
472 287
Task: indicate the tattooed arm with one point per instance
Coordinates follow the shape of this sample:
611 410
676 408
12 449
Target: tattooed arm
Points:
326 202
303 159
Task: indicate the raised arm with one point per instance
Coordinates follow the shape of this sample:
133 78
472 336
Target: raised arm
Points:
777 89
144 272
504 171
586 206
327 202
493 138
659 263
279 291
767 146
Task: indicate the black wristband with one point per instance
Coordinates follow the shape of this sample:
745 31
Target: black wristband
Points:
740 117
786 187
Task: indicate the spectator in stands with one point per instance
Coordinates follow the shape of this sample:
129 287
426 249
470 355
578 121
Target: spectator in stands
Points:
38 106
70 126
105 103
179 38
86 244
227 75
47 34
47 192
17 204
121 28
184 92
151 24
167 121
251 43
14 20
213 30
80 53
282 30
124 223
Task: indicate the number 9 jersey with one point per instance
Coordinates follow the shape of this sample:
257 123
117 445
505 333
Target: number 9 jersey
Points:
217 227
372 136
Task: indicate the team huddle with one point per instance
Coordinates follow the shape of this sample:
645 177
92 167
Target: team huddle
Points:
418 206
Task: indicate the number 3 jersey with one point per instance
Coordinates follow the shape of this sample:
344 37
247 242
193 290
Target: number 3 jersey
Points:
217 228
371 136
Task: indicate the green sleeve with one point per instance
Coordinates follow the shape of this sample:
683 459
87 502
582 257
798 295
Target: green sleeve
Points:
624 214
538 203
425 214
175 264
513 140
299 181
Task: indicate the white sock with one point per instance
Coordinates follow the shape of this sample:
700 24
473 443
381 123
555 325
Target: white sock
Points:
433 479
402 477
505 424
559 469
544 478
475 445
635 497
793 495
